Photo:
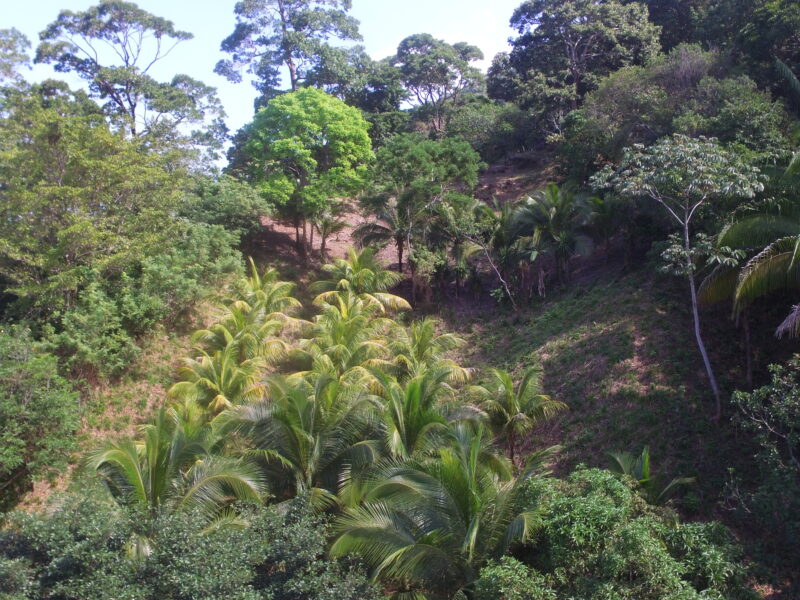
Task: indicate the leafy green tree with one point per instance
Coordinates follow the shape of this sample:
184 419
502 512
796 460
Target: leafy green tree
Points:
515 410
305 149
13 55
38 414
79 42
426 527
598 538
686 177
436 74
292 34
235 205
565 46
770 416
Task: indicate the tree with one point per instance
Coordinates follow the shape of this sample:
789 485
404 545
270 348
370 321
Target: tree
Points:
564 47
363 275
419 348
427 526
515 410
553 219
272 34
652 488
306 149
39 414
173 469
686 177
13 55
135 41
436 73
307 435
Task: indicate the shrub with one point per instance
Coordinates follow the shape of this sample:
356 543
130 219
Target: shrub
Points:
38 414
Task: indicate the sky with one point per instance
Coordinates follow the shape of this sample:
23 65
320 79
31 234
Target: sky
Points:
383 24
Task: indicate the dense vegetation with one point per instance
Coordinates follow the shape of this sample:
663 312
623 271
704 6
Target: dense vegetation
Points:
475 419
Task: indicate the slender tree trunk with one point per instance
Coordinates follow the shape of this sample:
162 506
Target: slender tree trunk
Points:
696 315
311 243
748 349
322 250
297 232
400 257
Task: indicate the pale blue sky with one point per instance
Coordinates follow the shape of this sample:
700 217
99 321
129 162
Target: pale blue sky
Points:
383 24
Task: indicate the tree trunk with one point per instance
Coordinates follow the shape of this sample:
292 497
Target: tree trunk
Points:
322 244
696 315
748 349
400 257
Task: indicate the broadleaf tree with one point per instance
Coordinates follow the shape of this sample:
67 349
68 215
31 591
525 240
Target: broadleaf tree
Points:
687 177
306 150
271 35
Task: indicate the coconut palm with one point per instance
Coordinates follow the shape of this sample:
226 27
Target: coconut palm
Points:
554 218
173 468
427 526
328 224
391 225
218 381
254 334
363 275
306 434
347 337
514 410
638 467
264 292
419 348
413 421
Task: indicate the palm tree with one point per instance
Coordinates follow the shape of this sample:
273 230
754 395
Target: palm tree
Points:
218 381
638 467
427 526
328 224
554 218
413 421
174 468
391 225
253 333
347 337
306 435
514 411
419 348
265 292
363 275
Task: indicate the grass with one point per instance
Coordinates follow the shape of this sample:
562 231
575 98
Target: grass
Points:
621 353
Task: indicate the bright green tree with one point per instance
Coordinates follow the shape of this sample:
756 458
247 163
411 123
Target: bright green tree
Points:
305 150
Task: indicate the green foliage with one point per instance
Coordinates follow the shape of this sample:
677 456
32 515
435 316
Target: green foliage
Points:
13 55
493 129
289 34
306 149
38 414
771 416
638 467
598 539
235 205
564 47
141 104
75 553
509 579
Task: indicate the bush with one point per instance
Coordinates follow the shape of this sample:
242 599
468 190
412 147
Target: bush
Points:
235 205
770 416
79 552
600 540
38 414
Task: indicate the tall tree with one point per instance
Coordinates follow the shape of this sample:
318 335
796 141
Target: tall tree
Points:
275 34
114 46
306 149
686 177
13 55
436 73
565 46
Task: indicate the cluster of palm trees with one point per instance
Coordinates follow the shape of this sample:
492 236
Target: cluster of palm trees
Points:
367 418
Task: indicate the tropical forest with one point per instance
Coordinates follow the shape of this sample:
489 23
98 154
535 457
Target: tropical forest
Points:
426 323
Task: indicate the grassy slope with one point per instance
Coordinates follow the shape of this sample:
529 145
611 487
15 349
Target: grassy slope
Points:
620 352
